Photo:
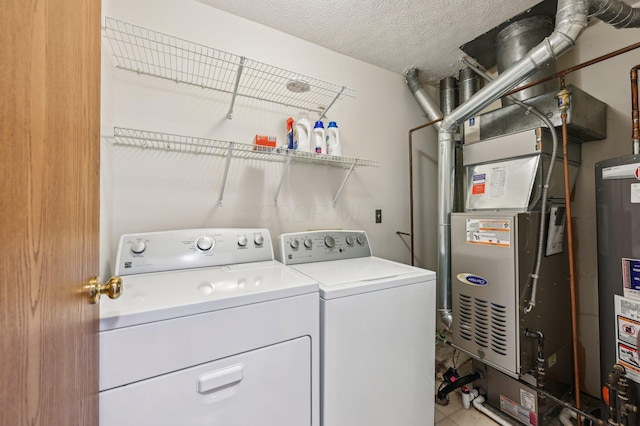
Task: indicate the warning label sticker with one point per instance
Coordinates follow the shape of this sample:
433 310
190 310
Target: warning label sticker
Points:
628 331
517 411
493 232
478 184
628 328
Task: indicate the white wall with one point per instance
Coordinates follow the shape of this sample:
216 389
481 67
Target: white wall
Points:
151 190
609 82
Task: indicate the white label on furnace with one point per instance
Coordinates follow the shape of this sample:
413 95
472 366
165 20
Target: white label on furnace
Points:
527 400
492 232
497 182
635 193
472 130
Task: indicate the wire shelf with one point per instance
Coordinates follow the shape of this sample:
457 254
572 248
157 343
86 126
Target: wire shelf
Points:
195 145
189 144
160 55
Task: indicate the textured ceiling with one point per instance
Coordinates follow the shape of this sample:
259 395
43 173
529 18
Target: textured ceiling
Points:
393 34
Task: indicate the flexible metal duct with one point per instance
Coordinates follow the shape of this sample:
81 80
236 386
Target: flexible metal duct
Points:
615 12
428 105
571 20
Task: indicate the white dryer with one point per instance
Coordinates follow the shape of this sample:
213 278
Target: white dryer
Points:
377 330
209 330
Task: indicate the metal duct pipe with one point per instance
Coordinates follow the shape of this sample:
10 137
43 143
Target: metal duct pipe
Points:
448 102
615 12
428 105
468 84
448 94
571 20
514 42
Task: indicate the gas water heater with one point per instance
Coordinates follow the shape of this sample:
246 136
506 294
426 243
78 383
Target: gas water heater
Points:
618 218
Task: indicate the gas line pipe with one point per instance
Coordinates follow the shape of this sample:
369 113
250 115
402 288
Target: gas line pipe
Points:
564 97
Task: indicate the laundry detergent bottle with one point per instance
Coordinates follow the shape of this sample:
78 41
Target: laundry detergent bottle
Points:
302 133
333 140
319 140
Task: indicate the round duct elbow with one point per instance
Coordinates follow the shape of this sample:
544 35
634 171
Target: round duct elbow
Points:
446 316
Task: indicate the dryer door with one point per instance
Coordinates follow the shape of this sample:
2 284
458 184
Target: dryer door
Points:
270 386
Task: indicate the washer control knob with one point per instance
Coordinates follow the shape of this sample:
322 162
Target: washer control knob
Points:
329 241
294 244
258 239
204 243
308 243
138 247
360 239
350 241
242 241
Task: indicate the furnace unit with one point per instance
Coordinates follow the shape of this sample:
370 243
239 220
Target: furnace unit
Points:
510 275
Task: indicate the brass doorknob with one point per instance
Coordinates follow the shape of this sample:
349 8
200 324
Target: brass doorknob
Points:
95 288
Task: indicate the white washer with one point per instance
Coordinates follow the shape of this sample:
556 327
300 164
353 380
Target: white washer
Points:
377 330
209 330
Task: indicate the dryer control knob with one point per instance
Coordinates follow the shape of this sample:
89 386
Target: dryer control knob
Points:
258 239
349 240
205 243
138 247
360 239
294 244
329 241
242 241
308 243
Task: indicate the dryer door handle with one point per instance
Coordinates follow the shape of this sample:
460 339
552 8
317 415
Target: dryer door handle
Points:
227 376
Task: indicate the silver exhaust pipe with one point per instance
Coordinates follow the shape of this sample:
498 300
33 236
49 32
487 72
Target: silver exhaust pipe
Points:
428 105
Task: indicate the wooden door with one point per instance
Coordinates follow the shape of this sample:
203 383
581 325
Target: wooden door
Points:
49 198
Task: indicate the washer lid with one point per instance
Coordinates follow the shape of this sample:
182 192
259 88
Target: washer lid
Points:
348 277
165 295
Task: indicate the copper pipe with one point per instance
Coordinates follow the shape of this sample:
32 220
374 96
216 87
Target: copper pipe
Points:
635 136
572 282
411 233
561 74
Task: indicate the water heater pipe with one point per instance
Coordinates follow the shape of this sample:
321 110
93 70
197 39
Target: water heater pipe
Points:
634 111
563 98
564 72
411 232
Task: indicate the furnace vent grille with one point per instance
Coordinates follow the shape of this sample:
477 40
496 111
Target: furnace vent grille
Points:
483 323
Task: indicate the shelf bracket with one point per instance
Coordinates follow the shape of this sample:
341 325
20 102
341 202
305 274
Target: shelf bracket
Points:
331 104
226 172
335 199
284 174
235 87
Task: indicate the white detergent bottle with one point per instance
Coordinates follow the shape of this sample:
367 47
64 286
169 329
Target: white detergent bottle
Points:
302 133
319 138
333 140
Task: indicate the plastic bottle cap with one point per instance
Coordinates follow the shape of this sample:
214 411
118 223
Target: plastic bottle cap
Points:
332 124
318 124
